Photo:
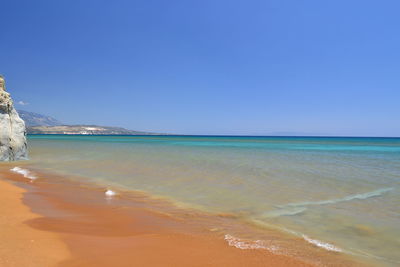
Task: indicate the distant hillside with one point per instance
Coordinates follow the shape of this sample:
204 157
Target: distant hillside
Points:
35 119
83 129
42 124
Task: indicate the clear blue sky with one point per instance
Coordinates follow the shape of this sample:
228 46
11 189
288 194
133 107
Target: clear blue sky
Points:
208 67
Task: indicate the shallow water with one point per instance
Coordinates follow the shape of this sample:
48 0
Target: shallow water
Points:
341 194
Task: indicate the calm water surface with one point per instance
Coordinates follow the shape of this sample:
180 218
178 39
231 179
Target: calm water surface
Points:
340 193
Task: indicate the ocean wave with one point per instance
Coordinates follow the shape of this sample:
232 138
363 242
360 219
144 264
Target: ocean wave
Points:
321 244
362 196
247 244
290 211
26 173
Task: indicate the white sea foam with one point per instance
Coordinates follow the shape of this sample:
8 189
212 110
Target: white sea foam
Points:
26 173
247 244
362 196
290 211
299 207
110 193
321 244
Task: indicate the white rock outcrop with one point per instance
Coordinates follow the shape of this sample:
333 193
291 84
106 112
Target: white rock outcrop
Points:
12 129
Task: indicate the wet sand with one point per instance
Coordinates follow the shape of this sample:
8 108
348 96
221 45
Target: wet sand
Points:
20 244
72 225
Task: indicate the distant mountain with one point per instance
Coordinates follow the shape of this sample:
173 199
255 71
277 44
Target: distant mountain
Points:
42 124
35 119
83 129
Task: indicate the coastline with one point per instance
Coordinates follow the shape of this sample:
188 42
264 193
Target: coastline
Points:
94 230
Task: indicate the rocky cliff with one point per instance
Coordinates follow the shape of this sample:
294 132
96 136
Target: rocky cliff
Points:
12 129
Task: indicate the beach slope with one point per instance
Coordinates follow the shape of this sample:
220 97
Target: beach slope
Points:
20 244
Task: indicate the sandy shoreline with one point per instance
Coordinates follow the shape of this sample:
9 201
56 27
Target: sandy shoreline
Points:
80 227
20 244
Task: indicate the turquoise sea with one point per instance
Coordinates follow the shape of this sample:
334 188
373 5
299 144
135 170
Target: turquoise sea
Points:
341 194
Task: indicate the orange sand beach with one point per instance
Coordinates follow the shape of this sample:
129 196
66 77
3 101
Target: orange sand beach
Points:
20 244
65 224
